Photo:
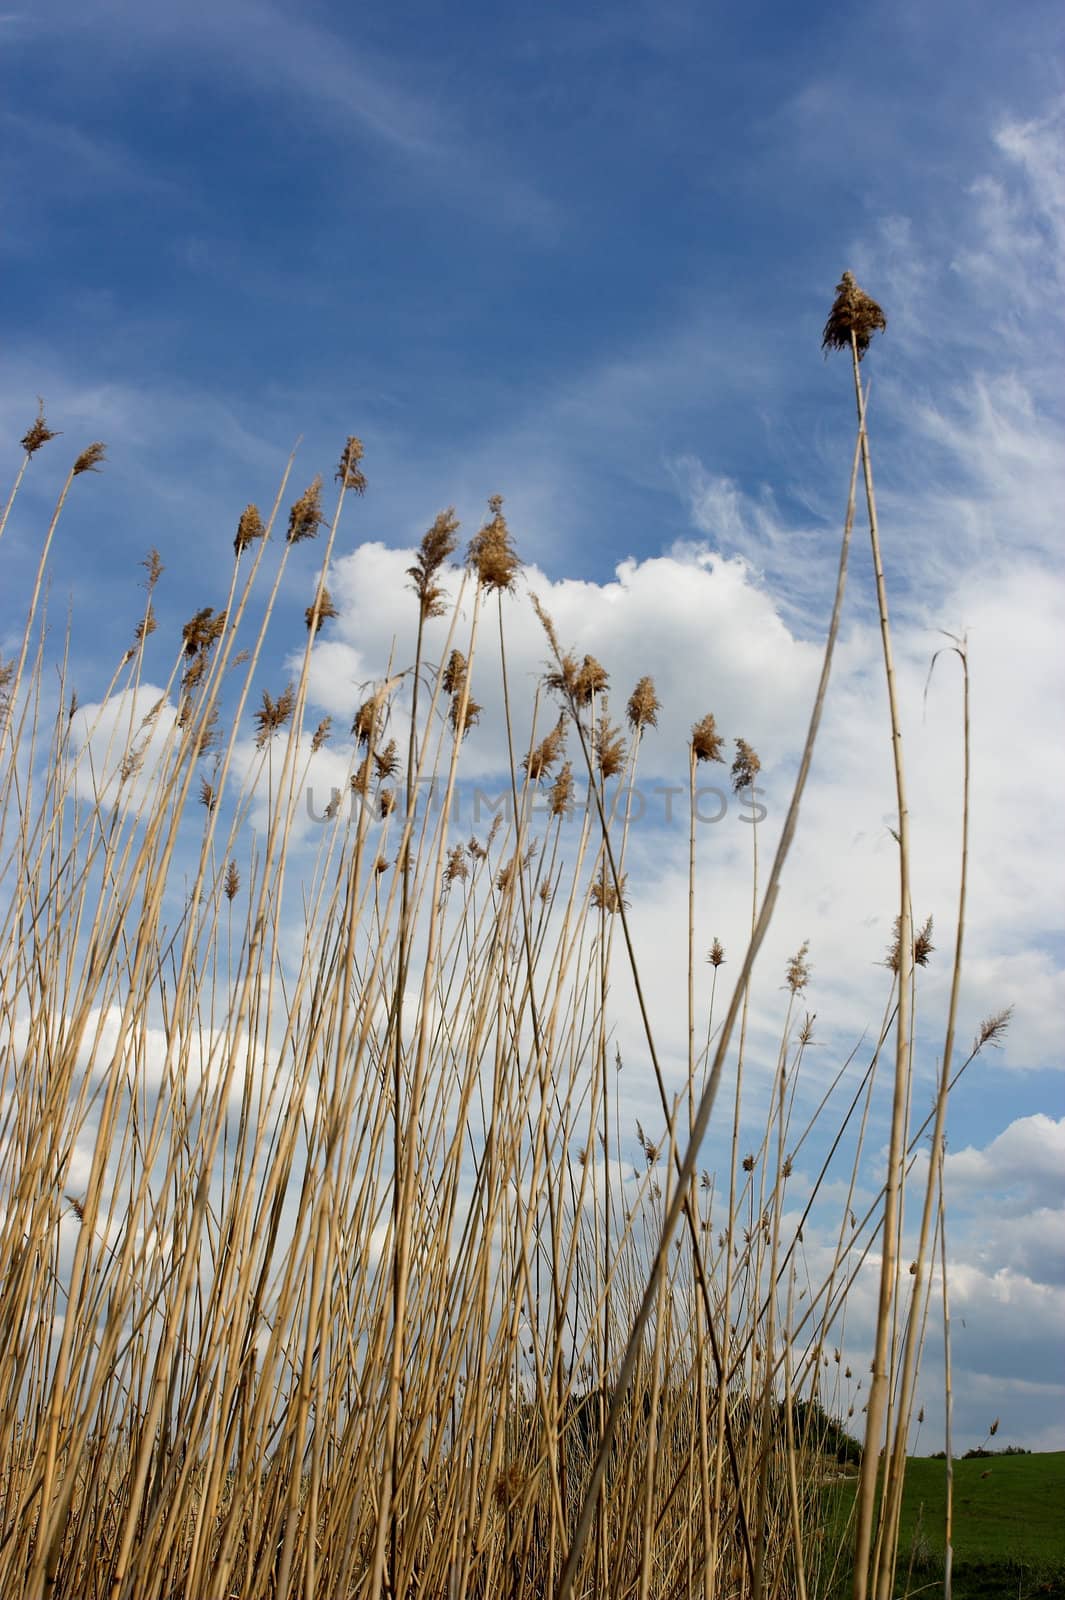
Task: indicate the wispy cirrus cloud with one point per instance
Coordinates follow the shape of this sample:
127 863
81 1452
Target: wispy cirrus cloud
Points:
391 107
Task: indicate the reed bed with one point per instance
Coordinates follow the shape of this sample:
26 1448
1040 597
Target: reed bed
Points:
326 1267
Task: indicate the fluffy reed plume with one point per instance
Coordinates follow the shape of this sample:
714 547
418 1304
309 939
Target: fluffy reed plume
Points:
454 682
153 569
609 748
231 886
463 718
707 743
456 869
365 721
305 515
202 631
923 948
538 762
605 896
454 678
853 314
563 678
348 473
578 682
644 706
38 433
90 459
491 554
145 627
507 873
560 794
745 767
386 761
716 955
249 528
437 545
992 1028
798 970
591 680
321 734
546 623
273 714
321 611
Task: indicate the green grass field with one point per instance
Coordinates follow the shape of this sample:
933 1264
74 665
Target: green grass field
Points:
1009 1526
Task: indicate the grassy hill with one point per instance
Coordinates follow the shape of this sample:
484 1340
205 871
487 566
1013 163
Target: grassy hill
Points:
1009 1526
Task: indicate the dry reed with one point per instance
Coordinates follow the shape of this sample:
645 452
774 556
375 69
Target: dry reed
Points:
324 1270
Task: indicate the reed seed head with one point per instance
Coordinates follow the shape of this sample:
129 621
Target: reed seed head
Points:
348 473
232 881
644 706
90 459
305 516
363 726
716 954
273 714
609 748
462 720
992 1028
386 761
209 735
592 679
923 947
745 768
325 608
249 528
146 626
491 554
456 867
605 895
540 761
38 433
455 673
560 794
436 546
798 969
563 678
509 1485
321 734
546 623
203 630
853 314
707 743
505 875
153 567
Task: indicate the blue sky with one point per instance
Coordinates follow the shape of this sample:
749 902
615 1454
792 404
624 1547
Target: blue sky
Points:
582 256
